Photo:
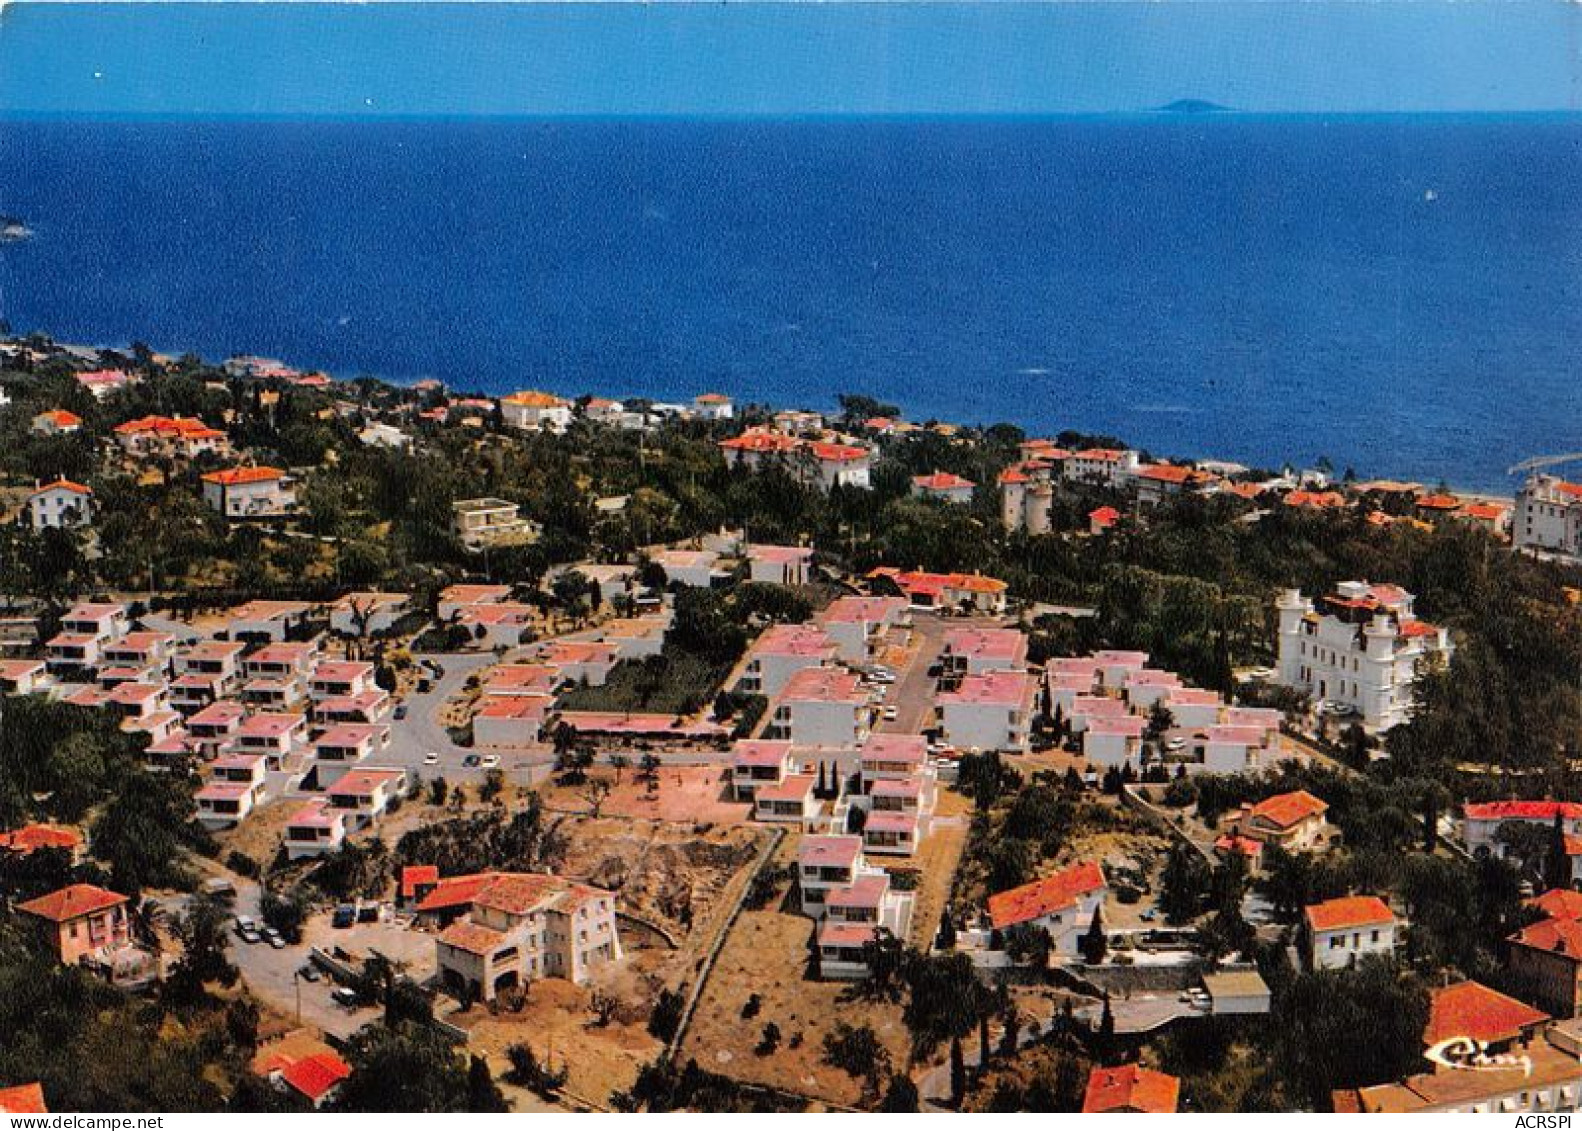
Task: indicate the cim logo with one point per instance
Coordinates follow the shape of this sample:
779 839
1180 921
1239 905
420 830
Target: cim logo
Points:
1468 1054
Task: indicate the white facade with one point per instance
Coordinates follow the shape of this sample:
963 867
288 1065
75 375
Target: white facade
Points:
60 504
1548 516
1361 648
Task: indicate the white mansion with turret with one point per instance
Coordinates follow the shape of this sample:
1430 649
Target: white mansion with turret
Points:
1359 646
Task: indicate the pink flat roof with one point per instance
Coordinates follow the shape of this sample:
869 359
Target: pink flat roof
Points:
824 685
865 891
792 787
895 748
1132 726
760 752
1009 688
829 851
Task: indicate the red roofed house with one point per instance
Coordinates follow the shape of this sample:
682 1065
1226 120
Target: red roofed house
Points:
1131 1088
1559 903
944 486
176 435
1341 931
56 422
1547 956
1483 820
1159 481
60 504
81 921
1292 821
1063 904
31 838
1471 1010
250 492
520 927
1102 518
315 1078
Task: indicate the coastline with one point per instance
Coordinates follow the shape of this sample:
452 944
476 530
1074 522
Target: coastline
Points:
1468 493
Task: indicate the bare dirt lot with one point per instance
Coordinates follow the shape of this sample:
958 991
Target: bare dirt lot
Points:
682 793
767 953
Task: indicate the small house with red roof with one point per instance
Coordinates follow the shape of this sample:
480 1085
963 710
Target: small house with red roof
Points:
1131 1089
56 422
945 486
60 505
31 838
80 921
250 492
1341 931
1291 821
1062 904
1470 1011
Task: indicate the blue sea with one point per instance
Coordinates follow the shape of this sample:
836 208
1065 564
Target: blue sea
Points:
1398 294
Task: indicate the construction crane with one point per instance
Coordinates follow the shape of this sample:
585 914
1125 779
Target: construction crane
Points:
1543 461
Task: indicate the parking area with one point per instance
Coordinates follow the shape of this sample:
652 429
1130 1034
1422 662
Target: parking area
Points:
274 975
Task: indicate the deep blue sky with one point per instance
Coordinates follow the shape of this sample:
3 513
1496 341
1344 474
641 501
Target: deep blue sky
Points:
744 59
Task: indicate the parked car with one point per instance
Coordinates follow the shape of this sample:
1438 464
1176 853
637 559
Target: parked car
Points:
309 973
1176 743
273 938
491 761
891 714
400 711
471 762
344 996
431 758
345 915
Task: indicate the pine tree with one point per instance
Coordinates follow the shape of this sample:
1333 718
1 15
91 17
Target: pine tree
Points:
958 1072
1095 944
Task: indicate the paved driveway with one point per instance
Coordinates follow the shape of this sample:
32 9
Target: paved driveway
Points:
413 737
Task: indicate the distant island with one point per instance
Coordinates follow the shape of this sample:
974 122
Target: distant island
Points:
1193 106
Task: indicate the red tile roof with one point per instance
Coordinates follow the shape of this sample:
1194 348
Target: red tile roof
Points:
64 485
1348 911
1131 1088
72 902
1043 897
1523 810
941 481
414 876
23 1099
1470 1009
1559 903
30 838
1556 936
1286 809
315 1075
236 475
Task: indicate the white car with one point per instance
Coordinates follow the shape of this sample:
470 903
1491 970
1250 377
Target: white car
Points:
431 758
891 714
1176 743
491 761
